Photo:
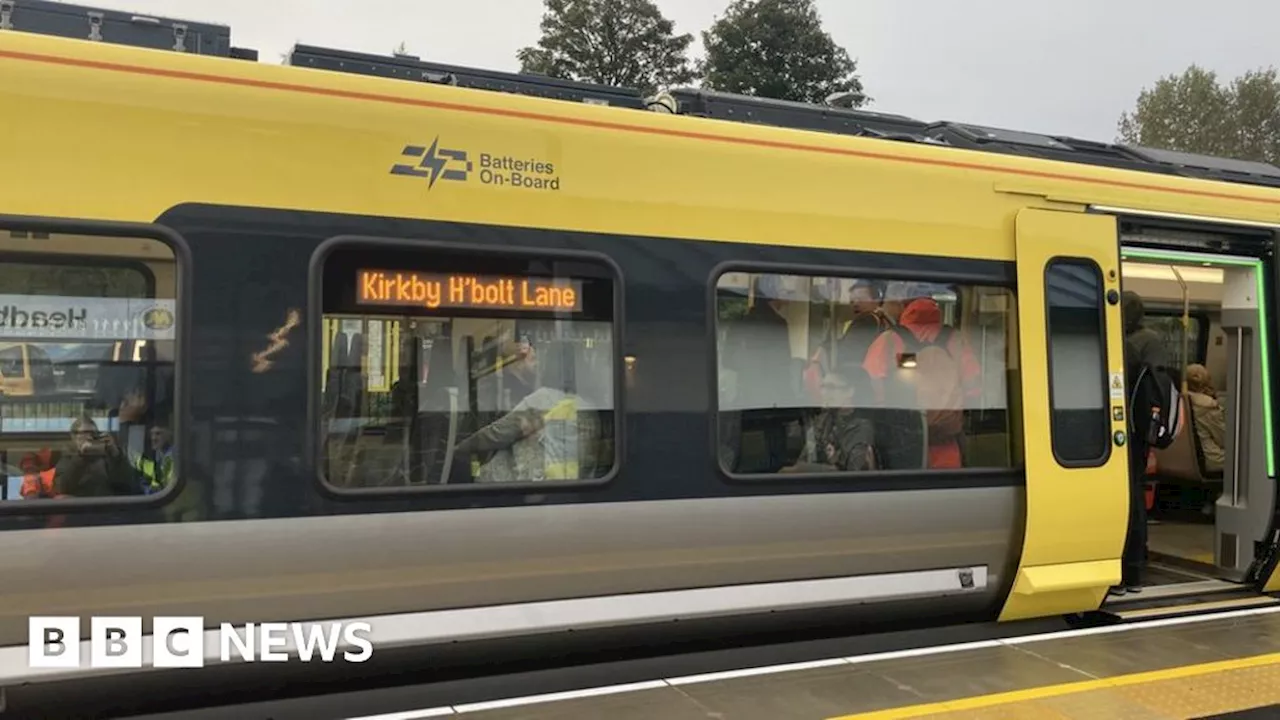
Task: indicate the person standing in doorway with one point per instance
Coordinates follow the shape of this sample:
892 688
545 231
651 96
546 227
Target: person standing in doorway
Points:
1142 348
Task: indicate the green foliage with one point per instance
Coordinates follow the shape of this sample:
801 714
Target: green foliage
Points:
1194 112
731 307
777 49
36 278
612 42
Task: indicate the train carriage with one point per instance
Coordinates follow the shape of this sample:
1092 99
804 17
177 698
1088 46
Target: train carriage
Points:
485 359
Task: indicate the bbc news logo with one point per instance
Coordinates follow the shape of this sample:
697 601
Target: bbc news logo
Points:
179 642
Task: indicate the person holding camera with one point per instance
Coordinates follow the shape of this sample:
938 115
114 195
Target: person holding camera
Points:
95 465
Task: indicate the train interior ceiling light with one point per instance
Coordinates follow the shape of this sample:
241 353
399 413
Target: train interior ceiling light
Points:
1164 271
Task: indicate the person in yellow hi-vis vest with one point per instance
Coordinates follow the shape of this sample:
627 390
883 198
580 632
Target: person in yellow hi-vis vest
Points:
158 472
537 440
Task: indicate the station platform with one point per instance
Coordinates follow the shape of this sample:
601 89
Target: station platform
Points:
1210 666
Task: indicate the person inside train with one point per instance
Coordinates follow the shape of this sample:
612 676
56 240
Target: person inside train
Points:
156 471
1142 347
894 300
37 475
858 323
95 465
1208 417
759 347
539 438
767 381
838 438
868 321
927 366
520 371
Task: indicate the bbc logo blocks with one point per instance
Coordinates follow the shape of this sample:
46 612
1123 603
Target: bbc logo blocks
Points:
176 642
179 642
53 642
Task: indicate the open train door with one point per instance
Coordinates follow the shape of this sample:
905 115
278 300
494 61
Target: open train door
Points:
1236 541
1075 438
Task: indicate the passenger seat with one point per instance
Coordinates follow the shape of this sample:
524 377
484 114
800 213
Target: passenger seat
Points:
1183 461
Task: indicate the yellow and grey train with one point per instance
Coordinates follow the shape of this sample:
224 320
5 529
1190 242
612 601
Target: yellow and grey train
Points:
487 360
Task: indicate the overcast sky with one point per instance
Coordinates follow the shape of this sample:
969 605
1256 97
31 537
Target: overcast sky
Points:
1066 68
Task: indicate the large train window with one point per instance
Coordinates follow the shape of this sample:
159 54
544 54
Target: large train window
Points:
849 375
1167 325
444 368
87 357
1077 362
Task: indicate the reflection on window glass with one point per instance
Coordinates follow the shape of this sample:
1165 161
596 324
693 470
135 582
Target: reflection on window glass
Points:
1077 361
476 371
1169 329
834 375
87 330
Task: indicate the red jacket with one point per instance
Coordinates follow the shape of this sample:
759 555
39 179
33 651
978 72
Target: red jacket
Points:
923 318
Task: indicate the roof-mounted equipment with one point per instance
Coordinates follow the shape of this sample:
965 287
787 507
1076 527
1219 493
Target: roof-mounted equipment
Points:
1027 144
410 67
1211 167
798 115
115 27
835 116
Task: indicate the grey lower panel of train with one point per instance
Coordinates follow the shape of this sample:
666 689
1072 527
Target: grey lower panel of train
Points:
496 560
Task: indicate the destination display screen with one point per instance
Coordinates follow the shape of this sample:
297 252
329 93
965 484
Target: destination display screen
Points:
467 290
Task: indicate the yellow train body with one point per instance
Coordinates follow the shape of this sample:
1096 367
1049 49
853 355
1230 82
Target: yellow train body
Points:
108 133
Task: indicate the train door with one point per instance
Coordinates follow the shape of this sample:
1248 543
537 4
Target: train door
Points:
1073 415
1212 494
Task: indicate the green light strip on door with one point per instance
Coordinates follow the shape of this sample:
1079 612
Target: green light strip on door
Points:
1211 260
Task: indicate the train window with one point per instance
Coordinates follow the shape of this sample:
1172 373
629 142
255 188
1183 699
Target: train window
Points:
1168 327
87 358
847 375
1077 361
450 368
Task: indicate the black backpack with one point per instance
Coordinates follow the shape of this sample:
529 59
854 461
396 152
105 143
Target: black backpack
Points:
1155 406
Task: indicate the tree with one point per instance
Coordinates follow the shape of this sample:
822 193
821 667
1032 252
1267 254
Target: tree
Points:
611 42
777 49
1193 112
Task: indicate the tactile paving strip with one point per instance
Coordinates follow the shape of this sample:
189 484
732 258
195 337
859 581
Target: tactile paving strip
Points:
1176 694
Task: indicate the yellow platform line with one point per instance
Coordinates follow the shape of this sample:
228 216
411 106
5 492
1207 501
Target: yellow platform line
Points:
1039 693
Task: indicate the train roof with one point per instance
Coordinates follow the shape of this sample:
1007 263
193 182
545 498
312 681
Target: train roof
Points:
800 116
828 118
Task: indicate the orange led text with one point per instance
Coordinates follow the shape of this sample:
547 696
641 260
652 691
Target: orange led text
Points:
382 287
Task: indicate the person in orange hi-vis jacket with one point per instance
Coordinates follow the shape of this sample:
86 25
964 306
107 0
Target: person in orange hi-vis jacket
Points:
37 475
922 318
